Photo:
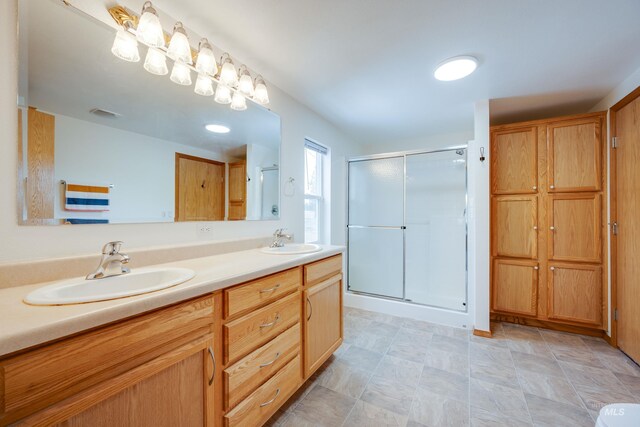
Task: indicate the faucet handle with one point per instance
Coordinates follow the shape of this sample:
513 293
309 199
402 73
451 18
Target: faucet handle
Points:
278 232
112 248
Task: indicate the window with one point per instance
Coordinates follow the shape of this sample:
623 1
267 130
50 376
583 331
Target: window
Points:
314 198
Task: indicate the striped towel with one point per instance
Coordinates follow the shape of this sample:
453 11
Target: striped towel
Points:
86 198
86 221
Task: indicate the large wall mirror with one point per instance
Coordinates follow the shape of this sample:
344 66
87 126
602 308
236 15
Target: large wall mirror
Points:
101 140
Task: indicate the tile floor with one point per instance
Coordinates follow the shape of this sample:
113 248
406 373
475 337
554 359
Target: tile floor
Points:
392 371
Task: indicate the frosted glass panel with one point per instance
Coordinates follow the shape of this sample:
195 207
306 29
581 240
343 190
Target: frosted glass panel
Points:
376 261
436 229
376 192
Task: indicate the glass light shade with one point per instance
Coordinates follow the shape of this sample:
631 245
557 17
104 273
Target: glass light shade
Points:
149 29
179 48
261 95
228 74
245 85
125 46
206 60
181 74
223 94
204 85
456 68
155 62
239 102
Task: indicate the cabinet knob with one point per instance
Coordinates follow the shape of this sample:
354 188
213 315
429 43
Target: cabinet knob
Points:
535 187
552 228
552 186
552 268
535 267
535 227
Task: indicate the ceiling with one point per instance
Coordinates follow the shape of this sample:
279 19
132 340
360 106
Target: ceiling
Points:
367 65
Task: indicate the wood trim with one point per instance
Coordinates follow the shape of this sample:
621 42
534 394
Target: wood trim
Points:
613 206
176 190
546 121
481 333
547 324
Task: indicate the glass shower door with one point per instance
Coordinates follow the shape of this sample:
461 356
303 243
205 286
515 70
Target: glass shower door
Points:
436 199
376 227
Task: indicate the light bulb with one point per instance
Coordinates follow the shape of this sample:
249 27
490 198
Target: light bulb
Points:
179 48
245 84
155 62
228 73
125 46
204 85
181 74
149 29
206 61
223 94
239 102
261 95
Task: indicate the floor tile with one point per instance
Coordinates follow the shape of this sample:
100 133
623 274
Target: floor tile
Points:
519 332
632 383
562 339
390 395
430 409
383 329
399 370
418 325
457 363
344 379
446 384
487 354
494 341
620 363
361 358
364 414
553 387
452 344
538 364
494 373
595 398
408 351
414 336
499 400
323 407
373 342
536 346
581 356
449 331
545 412
483 418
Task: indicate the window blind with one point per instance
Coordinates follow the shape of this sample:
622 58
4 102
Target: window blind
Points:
315 146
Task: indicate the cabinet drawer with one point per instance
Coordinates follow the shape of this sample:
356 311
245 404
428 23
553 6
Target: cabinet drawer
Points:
253 294
261 404
251 331
321 270
41 377
245 375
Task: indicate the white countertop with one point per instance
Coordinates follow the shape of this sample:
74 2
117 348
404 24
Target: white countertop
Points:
23 326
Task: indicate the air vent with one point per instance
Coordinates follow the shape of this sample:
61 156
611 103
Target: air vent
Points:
104 113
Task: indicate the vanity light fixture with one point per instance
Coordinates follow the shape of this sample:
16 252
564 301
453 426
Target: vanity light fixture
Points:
155 62
217 128
206 60
238 102
245 84
149 30
181 74
204 85
125 46
223 94
261 96
179 48
228 74
456 68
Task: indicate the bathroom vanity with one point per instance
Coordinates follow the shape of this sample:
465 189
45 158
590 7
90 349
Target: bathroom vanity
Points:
230 355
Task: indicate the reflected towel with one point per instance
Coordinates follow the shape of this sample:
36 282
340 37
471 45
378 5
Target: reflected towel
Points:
86 198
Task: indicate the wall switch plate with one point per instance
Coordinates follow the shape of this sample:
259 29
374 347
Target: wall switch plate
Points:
204 230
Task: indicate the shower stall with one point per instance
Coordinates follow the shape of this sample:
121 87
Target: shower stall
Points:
407 228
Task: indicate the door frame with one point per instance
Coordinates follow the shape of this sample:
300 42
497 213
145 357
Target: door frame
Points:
613 205
176 191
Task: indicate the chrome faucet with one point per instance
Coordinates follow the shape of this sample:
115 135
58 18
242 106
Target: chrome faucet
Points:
112 262
278 238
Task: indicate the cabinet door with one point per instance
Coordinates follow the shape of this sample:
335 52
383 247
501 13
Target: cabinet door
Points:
237 191
515 287
515 225
575 227
514 161
575 293
322 322
574 155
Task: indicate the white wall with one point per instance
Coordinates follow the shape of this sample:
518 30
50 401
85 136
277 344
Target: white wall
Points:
30 242
427 142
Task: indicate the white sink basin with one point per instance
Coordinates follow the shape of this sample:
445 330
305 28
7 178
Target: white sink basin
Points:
79 290
293 249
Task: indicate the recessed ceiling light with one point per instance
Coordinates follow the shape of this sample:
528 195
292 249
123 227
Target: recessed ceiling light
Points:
217 128
456 68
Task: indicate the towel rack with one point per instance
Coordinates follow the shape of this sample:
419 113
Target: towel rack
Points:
63 182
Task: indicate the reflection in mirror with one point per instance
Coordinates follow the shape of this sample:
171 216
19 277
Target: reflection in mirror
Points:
101 140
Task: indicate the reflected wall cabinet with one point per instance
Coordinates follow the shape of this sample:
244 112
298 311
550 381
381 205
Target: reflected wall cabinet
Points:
548 222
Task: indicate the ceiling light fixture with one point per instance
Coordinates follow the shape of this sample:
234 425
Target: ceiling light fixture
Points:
217 128
456 68
231 87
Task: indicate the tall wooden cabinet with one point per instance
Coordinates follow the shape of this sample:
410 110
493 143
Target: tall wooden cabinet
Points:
548 221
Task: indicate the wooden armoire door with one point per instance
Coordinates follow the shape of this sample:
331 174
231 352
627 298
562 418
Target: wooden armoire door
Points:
514 157
515 226
515 287
575 223
575 293
199 188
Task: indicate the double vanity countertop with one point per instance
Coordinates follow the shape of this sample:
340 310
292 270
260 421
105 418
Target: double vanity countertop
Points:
23 326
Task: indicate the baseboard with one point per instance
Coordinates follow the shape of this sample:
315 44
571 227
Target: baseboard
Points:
483 334
548 325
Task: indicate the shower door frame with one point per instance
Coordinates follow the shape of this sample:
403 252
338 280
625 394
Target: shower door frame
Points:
404 155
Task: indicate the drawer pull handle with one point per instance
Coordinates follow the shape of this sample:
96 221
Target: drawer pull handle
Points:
552 228
262 291
213 360
310 309
269 402
264 365
267 325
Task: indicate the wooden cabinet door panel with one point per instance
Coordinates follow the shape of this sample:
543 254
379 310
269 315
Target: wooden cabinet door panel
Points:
575 222
575 293
199 187
322 322
515 287
575 155
515 222
514 161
